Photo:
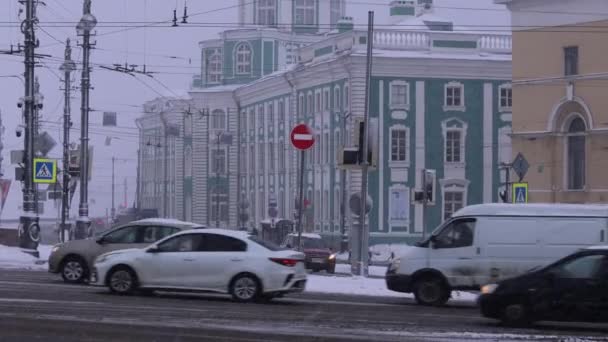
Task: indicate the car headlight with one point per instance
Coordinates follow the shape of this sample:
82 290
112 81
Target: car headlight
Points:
55 249
332 257
488 289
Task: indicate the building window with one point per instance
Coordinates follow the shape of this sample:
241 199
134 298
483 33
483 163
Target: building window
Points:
337 202
252 158
305 11
309 104
243 59
399 95
346 97
317 205
326 99
318 149
262 156
261 118
301 105
188 162
398 144
281 111
218 119
214 68
267 12
337 103
337 144
252 118
453 146
576 154
271 115
261 205
243 159
399 204
219 207
571 60
506 97
281 153
452 202
454 96
318 102
271 156
282 204
218 161
325 205
335 11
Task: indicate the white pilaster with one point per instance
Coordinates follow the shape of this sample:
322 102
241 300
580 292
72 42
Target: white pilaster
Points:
420 150
381 191
488 156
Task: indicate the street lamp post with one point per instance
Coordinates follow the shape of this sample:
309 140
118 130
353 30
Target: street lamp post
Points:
85 26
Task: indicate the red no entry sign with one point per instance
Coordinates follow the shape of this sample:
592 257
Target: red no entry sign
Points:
302 137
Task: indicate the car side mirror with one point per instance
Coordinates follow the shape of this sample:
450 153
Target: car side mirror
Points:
100 240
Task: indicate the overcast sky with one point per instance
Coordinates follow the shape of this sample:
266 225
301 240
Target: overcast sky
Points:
170 52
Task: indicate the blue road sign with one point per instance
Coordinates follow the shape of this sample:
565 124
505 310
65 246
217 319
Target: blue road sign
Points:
520 193
45 171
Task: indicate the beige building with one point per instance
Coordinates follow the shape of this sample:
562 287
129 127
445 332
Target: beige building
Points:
560 97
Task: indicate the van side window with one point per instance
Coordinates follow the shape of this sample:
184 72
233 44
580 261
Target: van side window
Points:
458 234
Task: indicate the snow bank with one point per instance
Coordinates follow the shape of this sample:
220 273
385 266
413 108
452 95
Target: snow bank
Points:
375 271
365 287
14 258
380 253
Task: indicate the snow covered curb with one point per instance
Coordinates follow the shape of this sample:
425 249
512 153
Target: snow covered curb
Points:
14 259
365 287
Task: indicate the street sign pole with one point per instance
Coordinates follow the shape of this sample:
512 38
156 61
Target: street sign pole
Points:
302 139
301 199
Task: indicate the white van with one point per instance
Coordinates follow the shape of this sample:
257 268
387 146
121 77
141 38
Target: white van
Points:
486 243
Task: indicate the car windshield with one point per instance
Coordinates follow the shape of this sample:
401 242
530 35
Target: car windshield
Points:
266 244
313 243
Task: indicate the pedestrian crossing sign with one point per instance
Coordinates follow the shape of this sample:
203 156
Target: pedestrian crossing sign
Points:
45 171
520 193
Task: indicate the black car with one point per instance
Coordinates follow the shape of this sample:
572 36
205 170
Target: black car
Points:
573 289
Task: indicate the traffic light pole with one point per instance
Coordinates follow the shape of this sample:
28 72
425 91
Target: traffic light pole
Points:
67 67
364 229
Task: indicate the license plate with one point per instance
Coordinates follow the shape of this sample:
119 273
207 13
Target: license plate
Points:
318 260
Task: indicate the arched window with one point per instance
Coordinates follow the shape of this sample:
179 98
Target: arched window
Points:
214 69
243 59
576 154
188 162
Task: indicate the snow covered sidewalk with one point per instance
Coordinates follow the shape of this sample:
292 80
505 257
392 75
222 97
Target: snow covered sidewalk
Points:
14 258
365 287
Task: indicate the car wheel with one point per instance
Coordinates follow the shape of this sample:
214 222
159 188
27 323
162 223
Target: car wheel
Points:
516 315
431 291
245 288
122 280
74 270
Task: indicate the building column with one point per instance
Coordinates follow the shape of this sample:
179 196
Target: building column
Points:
488 143
420 150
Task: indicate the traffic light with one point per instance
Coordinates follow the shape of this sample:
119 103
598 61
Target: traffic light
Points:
372 146
430 182
503 196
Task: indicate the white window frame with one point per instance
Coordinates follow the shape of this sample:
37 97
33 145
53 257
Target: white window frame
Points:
305 12
252 113
310 103
448 125
507 108
406 162
454 85
213 158
566 156
243 67
399 222
337 202
216 205
271 156
266 14
219 120
301 105
326 100
318 101
335 12
326 207
215 68
188 161
453 185
346 97
406 104
337 98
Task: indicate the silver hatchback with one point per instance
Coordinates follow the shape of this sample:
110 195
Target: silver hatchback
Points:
74 259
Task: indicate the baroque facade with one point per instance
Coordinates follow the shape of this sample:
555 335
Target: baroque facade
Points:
442 99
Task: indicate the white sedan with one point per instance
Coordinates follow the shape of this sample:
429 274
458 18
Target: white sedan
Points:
211 260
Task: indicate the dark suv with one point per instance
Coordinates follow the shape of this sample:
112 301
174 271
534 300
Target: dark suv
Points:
573 289
318 256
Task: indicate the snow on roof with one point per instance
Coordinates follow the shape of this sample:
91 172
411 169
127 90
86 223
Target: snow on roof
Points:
169 222
419 23
437 55
547 210
308 235
218 89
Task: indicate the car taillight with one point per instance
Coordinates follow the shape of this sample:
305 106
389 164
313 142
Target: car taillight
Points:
285 262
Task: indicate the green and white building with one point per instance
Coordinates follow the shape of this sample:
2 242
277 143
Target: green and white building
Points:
441 94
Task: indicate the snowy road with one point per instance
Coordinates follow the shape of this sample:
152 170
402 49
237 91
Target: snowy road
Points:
36 306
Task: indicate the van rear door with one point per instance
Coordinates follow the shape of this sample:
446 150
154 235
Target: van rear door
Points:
563 235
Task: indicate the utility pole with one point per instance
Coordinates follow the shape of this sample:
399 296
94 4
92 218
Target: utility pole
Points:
364 229
85 26
29 228
67 67
113 210
165 123
344 238
38 105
